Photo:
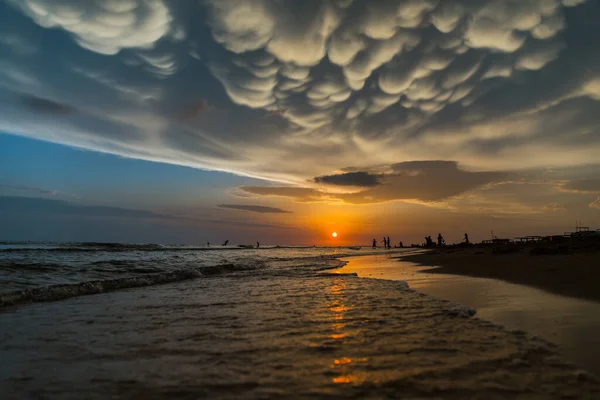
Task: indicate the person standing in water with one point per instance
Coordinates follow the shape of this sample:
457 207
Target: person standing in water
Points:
389 244
466 239
374 243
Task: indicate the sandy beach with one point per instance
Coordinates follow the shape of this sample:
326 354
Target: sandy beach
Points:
576 274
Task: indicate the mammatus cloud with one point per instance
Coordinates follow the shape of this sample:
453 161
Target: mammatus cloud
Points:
421 181
258 209
290 90
103 26
360 178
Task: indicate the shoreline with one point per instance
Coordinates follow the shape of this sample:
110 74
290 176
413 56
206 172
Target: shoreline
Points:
571 323
574 274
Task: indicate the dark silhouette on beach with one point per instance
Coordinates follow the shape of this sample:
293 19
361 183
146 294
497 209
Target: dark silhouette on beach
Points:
466 239
374 243
207 244
440 240
401 245
225 244
389 244
428 241
257 245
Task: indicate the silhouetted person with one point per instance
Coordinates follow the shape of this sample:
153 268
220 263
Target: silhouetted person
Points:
428 241
374 243
466 238
384 242
207 244
389 244
401 245
257 245
225 244
440 240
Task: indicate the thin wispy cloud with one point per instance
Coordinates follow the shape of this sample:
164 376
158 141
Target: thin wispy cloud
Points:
253 208
28 189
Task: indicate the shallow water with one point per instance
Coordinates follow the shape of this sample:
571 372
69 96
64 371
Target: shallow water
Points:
262 337
32 272
572 324
252 324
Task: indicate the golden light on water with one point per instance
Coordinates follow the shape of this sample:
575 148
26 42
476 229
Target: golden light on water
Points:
334 234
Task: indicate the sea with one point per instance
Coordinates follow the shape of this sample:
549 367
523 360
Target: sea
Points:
106 320
35 272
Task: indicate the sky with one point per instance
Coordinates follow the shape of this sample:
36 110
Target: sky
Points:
282 121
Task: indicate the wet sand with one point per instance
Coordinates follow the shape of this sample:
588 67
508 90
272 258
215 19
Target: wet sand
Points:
276 337
576 274
571 323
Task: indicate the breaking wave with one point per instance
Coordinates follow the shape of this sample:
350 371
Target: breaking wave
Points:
65 291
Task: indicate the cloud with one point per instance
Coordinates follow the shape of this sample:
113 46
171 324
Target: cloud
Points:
419 181
104 27
258 209
424 181
28 189
39 105
553 207
32 206
299 194
302 87
360 178
595 203
583 186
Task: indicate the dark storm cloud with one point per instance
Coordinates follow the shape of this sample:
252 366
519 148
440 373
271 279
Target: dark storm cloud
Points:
289 90
258 209
360 178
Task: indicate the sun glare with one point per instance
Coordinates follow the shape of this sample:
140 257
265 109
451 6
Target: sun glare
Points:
334 234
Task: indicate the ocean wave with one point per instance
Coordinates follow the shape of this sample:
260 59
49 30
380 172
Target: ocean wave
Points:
65 291
61 292
32 266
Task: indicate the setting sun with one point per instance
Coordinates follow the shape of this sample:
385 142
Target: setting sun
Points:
334 234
